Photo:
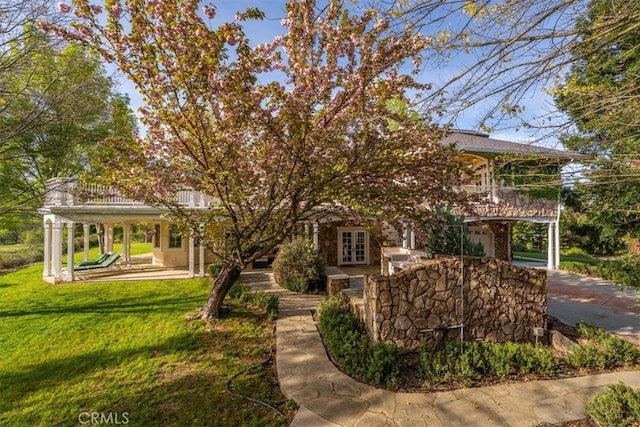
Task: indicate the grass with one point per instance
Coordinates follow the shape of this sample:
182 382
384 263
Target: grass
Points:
585 259
19 247
122 347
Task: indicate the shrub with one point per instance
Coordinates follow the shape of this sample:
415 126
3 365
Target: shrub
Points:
480 359
10 260
619 406
298 268
577 267
624 271
349 346
601 350
265 300
214 268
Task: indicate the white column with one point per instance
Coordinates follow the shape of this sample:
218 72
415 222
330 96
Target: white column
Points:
126 241
47 248
412 239
558 236
192 268
557 244
86 228
56 249
509 254
316 246
492 184
405 238
201 247
70 249
108 238
550 246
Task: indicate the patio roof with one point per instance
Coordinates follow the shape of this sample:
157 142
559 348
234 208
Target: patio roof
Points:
476 142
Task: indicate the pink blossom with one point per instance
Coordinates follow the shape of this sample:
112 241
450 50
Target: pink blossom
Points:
64 8
96 9
232 40
116 10
209 10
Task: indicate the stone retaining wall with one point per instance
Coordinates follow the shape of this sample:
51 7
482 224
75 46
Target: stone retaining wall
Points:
424 304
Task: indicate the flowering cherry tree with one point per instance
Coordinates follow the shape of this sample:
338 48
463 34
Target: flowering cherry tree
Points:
314 121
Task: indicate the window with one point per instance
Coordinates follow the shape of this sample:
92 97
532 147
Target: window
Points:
175 237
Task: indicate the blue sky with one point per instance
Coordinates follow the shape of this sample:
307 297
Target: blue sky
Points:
536 103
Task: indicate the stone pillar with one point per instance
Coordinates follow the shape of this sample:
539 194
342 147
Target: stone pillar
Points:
70 249
86 229
412 239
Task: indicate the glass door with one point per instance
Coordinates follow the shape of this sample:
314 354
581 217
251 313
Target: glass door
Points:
353 247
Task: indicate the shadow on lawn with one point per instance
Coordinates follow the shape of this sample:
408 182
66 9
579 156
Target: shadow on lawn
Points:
187 390
52 373
124 305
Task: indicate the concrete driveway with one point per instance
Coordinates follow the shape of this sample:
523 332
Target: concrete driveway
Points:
572 298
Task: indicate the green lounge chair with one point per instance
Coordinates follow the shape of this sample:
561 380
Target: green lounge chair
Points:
108 262
97 261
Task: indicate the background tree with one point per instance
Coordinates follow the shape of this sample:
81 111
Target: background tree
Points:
291 130
601 95
77 107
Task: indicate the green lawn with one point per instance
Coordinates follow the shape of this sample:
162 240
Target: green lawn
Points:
585 259
125 347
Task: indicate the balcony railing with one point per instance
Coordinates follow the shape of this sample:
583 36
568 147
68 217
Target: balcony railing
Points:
67 191
508 202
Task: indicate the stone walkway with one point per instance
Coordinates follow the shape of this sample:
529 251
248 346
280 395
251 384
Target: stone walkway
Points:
327 397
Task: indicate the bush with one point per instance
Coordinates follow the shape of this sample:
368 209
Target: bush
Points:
265 300
601 350
214 268
10 260
298 268
624 271
619 406
349 346
480 359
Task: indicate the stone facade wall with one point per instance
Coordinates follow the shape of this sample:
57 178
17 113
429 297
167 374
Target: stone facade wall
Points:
424 304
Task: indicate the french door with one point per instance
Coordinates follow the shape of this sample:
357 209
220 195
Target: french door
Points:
353 246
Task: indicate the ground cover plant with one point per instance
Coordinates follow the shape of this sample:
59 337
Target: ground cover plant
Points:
126 347
348 345
619 406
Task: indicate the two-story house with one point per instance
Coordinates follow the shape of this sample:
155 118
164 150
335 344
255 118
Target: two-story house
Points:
500 174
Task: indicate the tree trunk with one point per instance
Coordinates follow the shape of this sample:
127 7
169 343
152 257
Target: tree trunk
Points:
221 285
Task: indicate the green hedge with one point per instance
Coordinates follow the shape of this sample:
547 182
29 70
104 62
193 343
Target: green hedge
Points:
481 359
349 346
623 271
